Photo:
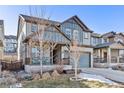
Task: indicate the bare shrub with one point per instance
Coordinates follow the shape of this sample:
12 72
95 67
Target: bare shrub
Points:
36 76
55 74
46 76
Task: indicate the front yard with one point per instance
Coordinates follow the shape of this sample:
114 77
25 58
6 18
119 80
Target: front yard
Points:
49 80
64 82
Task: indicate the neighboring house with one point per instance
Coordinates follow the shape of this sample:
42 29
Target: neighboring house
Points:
1 38
10 47
58 33
110 51
96 39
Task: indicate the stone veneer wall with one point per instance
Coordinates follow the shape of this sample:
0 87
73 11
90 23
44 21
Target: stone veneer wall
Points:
37 68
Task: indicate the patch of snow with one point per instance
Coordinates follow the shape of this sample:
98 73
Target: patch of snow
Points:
17 85
99 78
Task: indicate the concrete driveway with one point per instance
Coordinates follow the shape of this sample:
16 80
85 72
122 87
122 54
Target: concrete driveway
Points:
114 75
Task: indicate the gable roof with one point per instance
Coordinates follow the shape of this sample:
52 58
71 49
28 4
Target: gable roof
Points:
110 44
103 45
34 33
38 20
56 24
79 22
109 34
122 34
96 35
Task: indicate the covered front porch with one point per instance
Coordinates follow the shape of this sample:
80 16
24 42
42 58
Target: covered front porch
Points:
45 50
108 54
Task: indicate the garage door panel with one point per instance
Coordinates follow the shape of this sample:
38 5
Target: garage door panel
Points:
84 60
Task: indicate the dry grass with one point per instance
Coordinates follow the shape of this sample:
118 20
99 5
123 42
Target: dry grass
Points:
64 82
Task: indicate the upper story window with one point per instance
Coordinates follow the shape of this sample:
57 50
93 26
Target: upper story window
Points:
105 40
34 28
68 32
94 40
75 35
86 35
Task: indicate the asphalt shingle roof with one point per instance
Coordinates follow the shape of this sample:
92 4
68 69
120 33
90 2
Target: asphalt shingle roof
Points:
37 19
104 45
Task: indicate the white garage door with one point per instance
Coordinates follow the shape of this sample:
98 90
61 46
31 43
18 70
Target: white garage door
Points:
84 60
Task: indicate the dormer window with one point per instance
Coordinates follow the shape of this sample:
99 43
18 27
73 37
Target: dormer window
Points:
34 28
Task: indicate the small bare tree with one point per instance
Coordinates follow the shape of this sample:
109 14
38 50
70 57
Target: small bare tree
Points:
39 34
75 55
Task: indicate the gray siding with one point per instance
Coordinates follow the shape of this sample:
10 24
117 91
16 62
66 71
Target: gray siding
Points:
72 25
96 41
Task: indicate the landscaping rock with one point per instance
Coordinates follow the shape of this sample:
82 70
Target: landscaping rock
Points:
55 74
46 76
60 69
11 80
23 75
36 76
6 74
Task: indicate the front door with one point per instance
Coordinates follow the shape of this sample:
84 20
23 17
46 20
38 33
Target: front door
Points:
105 56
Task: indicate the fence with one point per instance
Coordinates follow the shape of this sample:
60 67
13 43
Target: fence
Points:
16 65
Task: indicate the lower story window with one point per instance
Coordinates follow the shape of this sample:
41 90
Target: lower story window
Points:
36 57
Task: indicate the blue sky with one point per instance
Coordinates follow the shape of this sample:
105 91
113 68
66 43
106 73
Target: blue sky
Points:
100 19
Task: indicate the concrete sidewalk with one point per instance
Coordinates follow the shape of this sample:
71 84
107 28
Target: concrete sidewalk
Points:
114 75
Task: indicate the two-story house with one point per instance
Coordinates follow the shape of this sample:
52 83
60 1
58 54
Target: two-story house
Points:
111 50
1 38
53 39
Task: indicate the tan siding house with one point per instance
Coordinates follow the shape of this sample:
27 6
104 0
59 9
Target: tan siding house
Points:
111 51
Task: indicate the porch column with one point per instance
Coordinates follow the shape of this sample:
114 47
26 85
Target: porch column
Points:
109 55
28 53
117 59
99 53
91 59
102 53
118 56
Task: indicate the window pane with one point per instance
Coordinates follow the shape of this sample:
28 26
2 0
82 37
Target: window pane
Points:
34 28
